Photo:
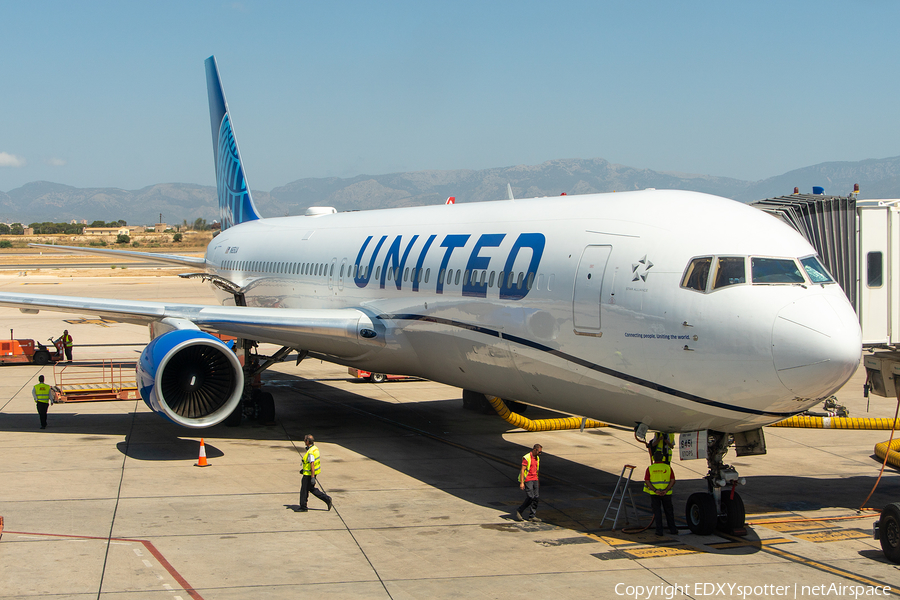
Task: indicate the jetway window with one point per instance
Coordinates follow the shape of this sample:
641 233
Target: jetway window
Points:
729 271
815 270
874 269
775 270
697 274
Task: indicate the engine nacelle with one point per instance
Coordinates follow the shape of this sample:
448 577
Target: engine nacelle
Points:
191 377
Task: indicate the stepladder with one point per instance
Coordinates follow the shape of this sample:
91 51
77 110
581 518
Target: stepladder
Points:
617 499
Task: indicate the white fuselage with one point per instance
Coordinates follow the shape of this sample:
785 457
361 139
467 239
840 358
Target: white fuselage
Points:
595 319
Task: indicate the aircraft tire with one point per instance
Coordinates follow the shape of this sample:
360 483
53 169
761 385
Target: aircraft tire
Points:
234 419
733 516
516 407
889 532
41 357
267 408
700 513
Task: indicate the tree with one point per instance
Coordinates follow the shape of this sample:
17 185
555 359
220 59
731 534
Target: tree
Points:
4 229
17 229
123 238
98 224
176 237
200 224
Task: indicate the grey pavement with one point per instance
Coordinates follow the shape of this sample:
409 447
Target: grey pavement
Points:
107 502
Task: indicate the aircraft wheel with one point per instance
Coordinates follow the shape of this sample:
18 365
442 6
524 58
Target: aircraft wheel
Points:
378 377
516 407
41 357
889 532
700 513
234 419
267 408
733 517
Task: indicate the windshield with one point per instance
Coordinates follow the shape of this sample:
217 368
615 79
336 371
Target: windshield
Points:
816 270
775 270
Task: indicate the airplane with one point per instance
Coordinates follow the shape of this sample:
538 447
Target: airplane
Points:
665 309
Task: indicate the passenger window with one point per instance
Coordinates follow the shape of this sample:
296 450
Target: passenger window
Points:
456 282
427 274
874 269
729 271
775 270
491 279
530 281
697 274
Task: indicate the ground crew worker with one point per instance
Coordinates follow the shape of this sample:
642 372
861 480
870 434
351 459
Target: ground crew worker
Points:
41 394
67 344
658 482
662 442
528 482
311 468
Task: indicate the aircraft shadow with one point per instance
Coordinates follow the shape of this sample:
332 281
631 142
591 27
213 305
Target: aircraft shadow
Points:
413 438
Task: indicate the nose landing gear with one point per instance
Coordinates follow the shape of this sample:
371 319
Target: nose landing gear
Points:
721 508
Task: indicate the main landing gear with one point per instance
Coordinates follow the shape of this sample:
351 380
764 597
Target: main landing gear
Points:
721 508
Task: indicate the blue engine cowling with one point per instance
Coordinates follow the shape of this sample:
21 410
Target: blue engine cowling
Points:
191 377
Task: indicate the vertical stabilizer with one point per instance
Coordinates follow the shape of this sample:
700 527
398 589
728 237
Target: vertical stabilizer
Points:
235 202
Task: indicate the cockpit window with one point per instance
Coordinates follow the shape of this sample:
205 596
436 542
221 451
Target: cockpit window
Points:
816 271
729 271
697 274
775 270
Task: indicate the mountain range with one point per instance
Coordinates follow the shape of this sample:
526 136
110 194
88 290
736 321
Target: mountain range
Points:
177 202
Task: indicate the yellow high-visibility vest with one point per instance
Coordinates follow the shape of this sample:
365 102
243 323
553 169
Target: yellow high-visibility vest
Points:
660 474
527 459
311 464
42 392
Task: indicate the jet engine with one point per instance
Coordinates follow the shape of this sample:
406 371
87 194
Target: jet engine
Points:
191 377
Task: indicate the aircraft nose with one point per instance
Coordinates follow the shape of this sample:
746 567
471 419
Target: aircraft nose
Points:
816 345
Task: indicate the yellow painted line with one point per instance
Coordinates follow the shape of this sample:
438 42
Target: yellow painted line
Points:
660 551
806 526
813 564
616 541
751 543
833 536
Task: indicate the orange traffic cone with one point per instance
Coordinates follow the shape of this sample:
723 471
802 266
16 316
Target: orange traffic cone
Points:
201 462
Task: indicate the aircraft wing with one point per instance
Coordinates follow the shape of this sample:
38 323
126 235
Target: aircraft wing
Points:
174 259
345 332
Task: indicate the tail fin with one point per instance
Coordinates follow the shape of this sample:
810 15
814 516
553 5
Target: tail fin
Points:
235 202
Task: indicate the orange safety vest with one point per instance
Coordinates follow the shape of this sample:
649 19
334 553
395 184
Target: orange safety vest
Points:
660 475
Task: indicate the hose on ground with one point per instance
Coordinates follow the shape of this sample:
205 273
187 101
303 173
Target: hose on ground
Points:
539 424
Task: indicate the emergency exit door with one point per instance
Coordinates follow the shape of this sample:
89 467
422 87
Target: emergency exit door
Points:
588 287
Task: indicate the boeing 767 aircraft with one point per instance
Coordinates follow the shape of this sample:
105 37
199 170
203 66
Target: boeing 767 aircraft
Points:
669 310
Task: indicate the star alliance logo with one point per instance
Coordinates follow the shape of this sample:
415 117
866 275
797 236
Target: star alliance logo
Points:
640 268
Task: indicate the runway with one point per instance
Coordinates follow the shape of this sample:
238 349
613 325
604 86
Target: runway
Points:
107 502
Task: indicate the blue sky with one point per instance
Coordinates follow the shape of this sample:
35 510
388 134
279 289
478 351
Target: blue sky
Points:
99 94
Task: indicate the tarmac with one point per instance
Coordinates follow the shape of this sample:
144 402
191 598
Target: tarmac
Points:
107 503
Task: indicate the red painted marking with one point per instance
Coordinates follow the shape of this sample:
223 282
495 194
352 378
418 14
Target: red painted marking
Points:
146 543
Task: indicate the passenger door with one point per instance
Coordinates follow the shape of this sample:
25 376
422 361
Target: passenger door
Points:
588 287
